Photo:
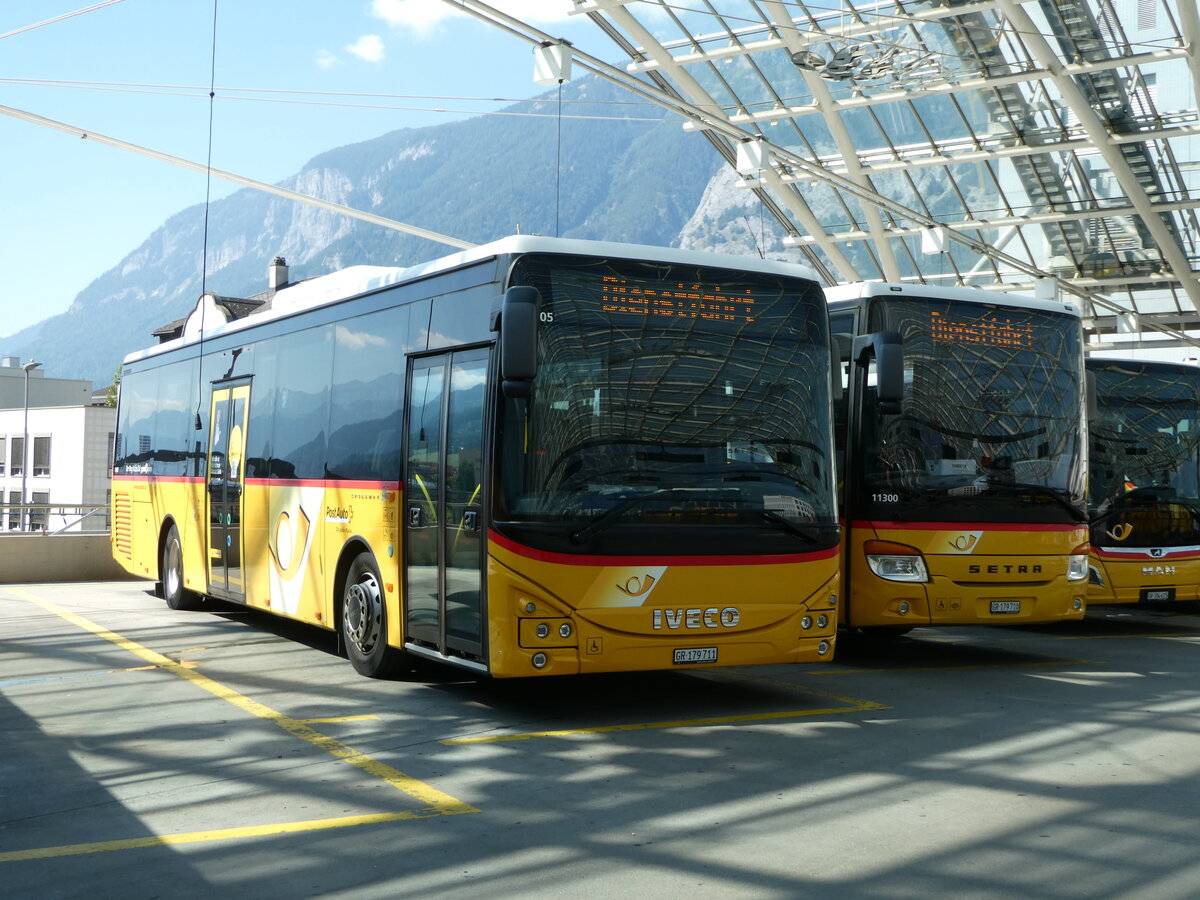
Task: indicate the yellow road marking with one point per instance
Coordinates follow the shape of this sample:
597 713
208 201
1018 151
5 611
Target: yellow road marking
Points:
644 726
328 719
219 834
1025 665
853 704
437 802
397 779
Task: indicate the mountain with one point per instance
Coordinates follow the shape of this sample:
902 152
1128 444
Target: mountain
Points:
586 175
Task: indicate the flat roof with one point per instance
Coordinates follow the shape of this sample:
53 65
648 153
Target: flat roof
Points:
860 289
355 280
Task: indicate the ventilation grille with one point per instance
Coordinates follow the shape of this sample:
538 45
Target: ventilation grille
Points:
122 526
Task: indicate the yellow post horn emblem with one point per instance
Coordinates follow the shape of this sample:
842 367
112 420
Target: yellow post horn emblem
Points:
964 542
635 587
1120 532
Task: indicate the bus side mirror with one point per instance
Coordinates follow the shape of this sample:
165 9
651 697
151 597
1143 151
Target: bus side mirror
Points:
518 340
888 349
839 345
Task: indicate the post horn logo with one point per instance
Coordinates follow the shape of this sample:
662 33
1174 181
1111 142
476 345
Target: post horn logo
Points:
1120 532
964 542
636 587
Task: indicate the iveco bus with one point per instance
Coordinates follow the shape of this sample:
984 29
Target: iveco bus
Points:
537 456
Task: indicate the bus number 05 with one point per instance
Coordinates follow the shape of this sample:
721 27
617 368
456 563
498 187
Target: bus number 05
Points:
546 317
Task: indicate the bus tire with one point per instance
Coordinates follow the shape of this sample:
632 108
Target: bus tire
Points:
170 572
364 621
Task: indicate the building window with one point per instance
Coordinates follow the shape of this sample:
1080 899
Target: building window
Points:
14 510
41 456
3 458
38 511
110 444
17 458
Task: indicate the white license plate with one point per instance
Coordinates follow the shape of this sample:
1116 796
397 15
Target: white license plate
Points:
696 655
1006 606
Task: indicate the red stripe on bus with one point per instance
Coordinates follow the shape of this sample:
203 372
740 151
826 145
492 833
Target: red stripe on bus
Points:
580 559
166 479
282 482
1140 554
968 526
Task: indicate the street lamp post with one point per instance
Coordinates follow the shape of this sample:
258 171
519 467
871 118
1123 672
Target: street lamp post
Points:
25 454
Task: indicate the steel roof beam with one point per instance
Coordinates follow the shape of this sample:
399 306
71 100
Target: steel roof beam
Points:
1033 219
698 96
849 32
845 144
949 153
945 88
1100 135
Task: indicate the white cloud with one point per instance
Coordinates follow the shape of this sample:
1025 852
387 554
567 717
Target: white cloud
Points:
325 59
368 48
357 340
422 17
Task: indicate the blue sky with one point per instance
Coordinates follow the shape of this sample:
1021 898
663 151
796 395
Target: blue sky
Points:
73 209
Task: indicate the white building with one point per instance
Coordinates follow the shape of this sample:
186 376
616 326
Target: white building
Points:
65 466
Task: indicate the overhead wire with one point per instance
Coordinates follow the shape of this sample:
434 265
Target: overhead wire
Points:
230 94
70 15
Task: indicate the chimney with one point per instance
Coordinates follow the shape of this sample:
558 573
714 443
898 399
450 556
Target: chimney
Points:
277 274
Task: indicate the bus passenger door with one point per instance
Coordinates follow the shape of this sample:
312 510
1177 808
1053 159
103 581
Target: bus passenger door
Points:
443 502
226 479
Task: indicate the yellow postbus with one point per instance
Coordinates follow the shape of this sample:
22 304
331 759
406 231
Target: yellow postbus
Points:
538 456
962 457
1144 481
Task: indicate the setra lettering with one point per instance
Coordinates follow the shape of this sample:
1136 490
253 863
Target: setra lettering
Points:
1005 569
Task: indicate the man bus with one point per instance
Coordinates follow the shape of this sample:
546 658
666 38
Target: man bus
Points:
537 456
1144 481
963 461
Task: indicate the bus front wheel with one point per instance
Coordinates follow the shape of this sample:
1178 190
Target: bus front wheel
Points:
364 621
170 571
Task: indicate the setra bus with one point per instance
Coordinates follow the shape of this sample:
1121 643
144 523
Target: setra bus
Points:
1144 481
962 458
538 456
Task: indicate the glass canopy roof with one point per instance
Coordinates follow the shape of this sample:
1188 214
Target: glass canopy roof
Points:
1041 146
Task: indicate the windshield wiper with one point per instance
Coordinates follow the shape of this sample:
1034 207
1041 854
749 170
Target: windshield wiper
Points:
1042 490
609 516
810 534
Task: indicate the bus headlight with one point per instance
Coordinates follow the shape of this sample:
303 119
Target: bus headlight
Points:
1077 564
896 562
898 568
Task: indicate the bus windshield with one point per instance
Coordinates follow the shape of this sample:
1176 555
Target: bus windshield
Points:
675 410
990 422
1145 440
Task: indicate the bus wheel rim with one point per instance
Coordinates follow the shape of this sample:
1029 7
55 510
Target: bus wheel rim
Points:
364 606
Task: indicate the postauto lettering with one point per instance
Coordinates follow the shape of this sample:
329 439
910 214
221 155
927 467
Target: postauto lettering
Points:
696 618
